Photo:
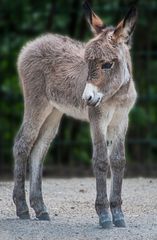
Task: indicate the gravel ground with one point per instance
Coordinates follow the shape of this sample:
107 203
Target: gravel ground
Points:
71 206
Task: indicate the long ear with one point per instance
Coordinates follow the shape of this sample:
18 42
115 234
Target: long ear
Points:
94 21
125 28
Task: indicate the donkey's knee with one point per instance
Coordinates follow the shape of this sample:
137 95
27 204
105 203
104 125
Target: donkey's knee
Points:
100 166
117 163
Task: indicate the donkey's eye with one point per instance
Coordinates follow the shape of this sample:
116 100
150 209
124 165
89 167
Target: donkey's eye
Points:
107 65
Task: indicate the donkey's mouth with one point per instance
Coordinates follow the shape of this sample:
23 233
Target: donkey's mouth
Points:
94 103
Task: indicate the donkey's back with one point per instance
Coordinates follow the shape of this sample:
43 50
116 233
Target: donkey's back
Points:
50 47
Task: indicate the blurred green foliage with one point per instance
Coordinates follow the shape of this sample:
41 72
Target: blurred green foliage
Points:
23 20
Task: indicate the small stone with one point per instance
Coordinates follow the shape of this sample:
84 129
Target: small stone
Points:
82 191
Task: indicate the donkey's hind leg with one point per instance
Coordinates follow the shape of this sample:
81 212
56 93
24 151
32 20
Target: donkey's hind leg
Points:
34 117
46 135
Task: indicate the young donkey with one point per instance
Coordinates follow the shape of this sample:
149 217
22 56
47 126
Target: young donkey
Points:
91 82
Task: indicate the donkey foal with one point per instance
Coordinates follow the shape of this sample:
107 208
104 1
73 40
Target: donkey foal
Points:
91 82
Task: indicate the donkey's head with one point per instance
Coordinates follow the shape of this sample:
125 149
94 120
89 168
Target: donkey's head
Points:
107 55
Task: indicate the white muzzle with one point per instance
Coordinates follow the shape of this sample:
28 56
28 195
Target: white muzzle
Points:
92 95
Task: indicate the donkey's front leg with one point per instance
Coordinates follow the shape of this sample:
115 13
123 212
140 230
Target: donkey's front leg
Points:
100 165
117 162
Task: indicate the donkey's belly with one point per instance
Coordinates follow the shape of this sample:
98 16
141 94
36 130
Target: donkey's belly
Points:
75 112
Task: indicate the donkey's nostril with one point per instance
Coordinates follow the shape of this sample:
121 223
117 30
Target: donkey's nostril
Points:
89 98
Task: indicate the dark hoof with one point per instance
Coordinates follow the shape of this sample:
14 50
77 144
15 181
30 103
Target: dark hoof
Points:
105 221
106 224
43 217
118 217
24 215
119 223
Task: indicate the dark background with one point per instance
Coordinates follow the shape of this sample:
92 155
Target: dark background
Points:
23 20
